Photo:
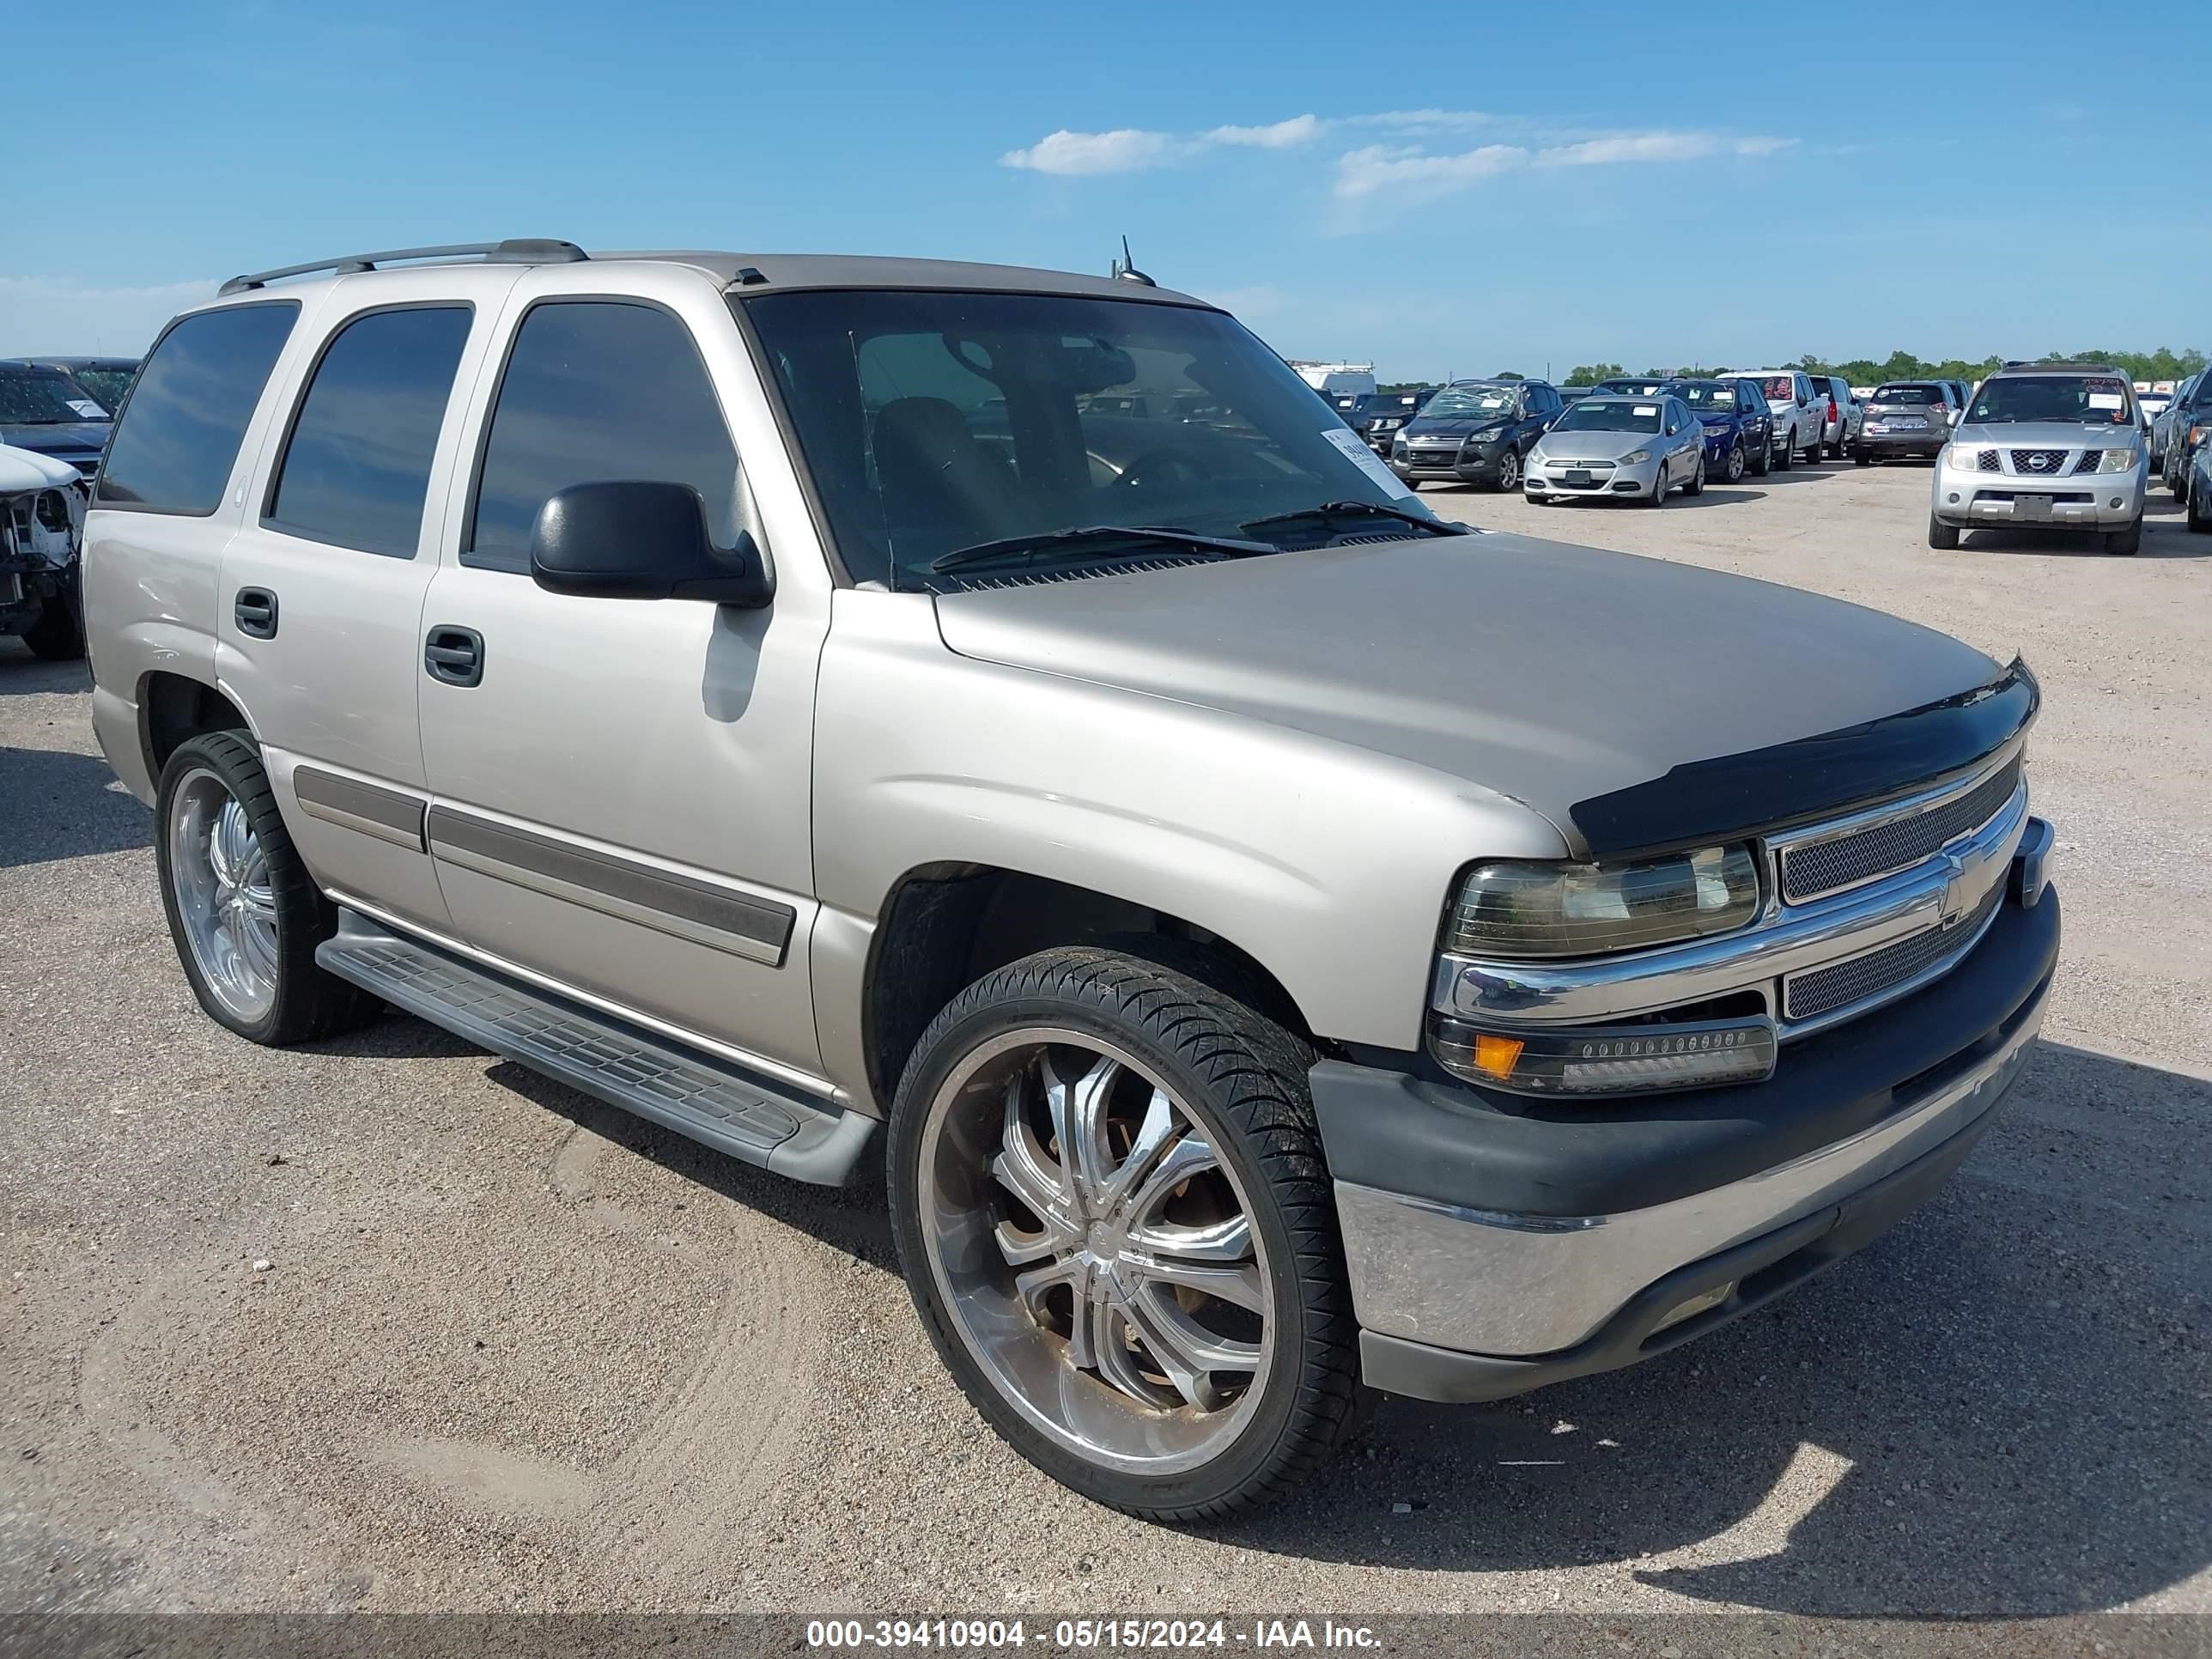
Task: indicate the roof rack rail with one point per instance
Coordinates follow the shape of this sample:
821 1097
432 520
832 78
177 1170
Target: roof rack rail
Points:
515 251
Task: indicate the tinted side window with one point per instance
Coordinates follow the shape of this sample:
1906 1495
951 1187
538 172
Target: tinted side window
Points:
188 413
357 467
595 391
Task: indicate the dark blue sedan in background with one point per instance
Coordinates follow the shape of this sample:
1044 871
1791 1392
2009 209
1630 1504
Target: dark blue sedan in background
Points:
1739 430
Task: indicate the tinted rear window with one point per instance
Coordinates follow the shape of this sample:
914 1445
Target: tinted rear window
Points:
1915 396
358 466
189 411
1779 389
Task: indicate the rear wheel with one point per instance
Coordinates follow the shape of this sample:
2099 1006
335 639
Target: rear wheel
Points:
1762 463
1110 1201
243 909
1940 535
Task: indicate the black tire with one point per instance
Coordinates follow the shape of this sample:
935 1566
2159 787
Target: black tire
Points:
1242 1077
1941 535
1785 453
1659 490
1697 484
1509 470
1862 457
308 1003
1733 472
1763 463
2129 540
2177 483
2200 512
59 633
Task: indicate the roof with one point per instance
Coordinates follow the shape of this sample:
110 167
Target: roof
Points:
751 272
2059 368
66 364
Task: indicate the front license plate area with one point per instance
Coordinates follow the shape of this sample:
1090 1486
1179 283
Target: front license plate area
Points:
1579 476
2030 507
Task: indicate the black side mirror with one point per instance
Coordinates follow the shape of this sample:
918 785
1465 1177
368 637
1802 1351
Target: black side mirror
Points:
633 539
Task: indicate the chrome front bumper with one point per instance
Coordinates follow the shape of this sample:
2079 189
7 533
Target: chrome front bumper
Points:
1513 1286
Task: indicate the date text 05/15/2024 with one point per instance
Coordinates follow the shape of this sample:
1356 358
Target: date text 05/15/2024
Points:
1084 1634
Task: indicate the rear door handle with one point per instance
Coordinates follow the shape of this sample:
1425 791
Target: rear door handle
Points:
454 656
255 612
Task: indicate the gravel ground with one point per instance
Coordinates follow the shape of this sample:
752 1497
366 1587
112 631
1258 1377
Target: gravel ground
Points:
510 1349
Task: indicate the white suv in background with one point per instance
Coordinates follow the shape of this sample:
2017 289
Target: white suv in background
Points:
1800 404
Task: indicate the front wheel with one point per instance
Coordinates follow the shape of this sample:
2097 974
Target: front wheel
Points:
1115 1220
1509 468
1697 484
1735 464
1785 456
2129 540
1763 463
2200 509
1941 535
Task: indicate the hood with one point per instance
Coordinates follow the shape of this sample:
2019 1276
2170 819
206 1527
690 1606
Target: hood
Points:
1454 426
2047 434
27 469
1551 674
1593 445
72 438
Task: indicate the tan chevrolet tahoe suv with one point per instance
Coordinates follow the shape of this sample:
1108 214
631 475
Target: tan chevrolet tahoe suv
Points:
999 733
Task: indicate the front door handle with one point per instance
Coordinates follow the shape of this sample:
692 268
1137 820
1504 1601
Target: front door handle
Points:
255 611
454 656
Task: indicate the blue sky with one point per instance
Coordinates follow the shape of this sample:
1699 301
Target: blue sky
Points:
1508 188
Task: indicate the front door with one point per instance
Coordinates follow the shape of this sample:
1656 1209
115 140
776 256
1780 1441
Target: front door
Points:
623 786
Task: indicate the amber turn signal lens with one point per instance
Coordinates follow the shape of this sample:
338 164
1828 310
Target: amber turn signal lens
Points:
1496 1054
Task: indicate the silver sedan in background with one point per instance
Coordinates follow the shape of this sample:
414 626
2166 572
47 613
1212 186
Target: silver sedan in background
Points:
1639 447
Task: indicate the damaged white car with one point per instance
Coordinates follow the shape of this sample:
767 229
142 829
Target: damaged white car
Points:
41 527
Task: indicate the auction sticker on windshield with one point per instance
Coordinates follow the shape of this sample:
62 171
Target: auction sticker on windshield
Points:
1356 450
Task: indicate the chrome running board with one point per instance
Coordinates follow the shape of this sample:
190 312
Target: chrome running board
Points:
734 1111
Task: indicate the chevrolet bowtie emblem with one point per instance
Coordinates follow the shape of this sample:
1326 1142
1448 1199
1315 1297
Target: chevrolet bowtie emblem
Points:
1954 892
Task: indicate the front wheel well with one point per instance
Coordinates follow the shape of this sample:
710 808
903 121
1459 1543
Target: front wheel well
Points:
944 926
173 708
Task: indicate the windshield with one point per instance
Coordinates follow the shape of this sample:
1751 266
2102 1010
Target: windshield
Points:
1609 415
936 422
1459 402
44 396
1708 399
2097 399
108 384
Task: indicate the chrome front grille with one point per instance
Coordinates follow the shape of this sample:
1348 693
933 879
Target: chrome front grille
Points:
1813 868
1809 995
1988 461
2039 463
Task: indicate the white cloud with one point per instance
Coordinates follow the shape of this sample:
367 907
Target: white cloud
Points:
1125 149
61 316
1631 147
1423 120
1412 174
1282 135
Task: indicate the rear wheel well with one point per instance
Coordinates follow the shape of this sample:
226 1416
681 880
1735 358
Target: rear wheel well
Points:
173 708
946 926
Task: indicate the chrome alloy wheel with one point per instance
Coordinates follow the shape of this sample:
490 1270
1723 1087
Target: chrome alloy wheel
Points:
1095 1250
219 874
1509 468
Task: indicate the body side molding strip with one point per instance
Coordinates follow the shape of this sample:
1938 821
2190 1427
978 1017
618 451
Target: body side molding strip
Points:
390 815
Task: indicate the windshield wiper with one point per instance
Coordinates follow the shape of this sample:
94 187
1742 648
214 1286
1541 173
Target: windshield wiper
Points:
1329 510
1092 538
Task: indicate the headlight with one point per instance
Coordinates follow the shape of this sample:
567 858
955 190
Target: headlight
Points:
1526 910
1966 460
2119 460
1634 456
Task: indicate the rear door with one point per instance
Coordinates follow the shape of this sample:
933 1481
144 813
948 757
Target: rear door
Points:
322 587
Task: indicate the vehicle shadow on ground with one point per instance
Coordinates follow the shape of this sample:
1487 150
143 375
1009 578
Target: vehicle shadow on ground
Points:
2166 535
63 805
23 674
1998 1410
